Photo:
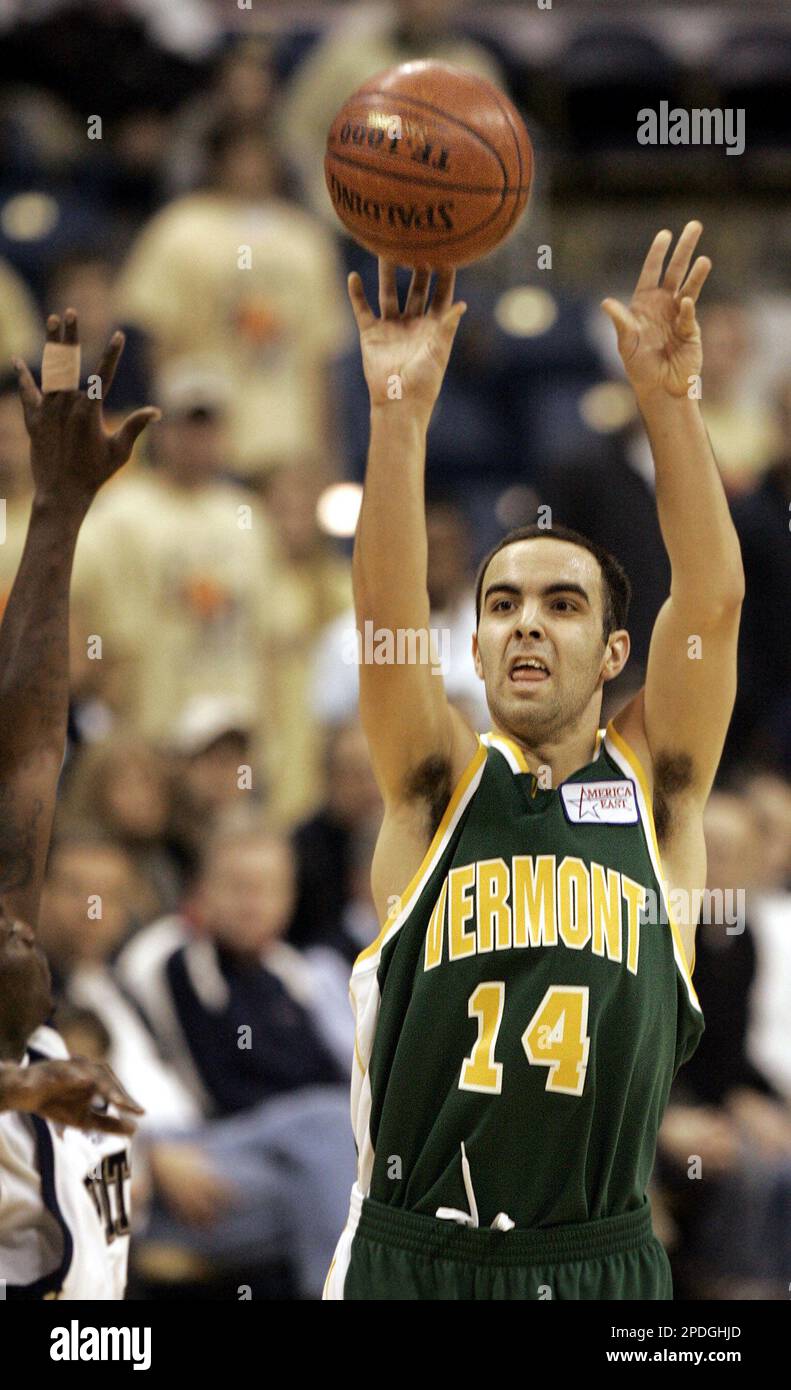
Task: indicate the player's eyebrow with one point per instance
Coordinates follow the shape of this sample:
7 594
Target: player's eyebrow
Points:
557 588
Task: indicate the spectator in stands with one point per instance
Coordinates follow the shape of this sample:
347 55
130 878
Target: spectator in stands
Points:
358 46
90 900
242 89
213 771
736 1221
769 1039
742 430
85 280
122 786
329 845
451 588
761 724
173 566
311 587
255 280
20 332
770 798
262 1035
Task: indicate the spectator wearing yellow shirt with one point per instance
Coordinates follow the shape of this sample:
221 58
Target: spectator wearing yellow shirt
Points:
365 41
312 586
174 568
255 280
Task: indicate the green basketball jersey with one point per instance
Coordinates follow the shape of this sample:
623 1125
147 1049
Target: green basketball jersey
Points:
527 1003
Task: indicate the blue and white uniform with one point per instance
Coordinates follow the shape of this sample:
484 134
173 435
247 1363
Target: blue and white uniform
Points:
64 1203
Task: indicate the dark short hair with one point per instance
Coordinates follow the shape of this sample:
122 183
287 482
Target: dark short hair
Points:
616 587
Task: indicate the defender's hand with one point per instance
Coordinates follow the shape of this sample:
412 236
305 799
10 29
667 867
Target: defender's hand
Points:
66 1093
658 335
71 452
412 344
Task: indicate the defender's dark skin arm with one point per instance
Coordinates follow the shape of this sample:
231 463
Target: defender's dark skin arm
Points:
67 1093
71 456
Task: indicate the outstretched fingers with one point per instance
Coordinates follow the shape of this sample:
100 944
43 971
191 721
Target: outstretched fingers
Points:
652 265
388 290
124 439
110 359
417 294
29 393
696 279
443 292
361 309
679 261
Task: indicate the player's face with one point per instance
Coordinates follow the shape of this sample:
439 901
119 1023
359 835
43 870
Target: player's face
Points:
25 984
541 598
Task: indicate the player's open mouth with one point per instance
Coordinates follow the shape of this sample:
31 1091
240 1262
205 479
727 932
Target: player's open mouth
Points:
528 672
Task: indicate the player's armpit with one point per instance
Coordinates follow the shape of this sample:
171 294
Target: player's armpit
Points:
690 690
411 727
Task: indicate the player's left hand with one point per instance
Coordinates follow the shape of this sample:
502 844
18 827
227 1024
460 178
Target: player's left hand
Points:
72 453
658 334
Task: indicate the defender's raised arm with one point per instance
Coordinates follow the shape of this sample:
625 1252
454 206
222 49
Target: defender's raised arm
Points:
71 456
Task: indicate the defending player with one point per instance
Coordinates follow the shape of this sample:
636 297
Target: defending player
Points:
528 1001
64 1194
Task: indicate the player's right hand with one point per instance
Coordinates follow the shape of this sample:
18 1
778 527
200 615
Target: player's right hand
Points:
75 1092
406 351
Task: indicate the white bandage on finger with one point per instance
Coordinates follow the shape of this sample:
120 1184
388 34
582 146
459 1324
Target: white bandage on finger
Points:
60 367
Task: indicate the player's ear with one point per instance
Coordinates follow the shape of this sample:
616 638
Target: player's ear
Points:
618 649
476 656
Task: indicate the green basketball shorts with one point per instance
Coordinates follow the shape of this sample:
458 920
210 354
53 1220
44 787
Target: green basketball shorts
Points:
386 1253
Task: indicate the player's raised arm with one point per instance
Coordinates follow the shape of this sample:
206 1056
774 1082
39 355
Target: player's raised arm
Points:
71 456
403 706
691 677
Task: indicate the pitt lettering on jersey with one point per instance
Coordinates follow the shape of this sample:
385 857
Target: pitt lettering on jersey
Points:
490 905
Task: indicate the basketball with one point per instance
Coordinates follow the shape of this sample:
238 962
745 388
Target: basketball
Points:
428 165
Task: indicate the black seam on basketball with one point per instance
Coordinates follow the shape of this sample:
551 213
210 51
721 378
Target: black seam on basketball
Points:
385 173
438 111
516 212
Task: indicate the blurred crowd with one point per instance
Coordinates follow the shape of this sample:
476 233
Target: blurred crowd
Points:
208 886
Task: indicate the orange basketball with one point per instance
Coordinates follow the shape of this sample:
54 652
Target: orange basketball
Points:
428 165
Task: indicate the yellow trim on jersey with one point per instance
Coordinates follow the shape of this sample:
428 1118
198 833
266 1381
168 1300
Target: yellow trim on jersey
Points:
634 762
497 737
478 757
514 747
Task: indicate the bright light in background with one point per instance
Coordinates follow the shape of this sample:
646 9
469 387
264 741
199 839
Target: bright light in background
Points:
607 407
525 312
29 216
339 507
516 506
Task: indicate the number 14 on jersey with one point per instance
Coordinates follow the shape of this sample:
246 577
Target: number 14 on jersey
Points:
556 1037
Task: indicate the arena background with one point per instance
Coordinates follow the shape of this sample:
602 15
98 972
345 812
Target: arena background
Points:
162 169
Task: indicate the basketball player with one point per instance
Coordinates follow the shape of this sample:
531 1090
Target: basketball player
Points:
64 1163
524 1009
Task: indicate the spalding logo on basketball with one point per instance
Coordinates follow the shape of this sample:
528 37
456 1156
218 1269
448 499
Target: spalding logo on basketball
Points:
428 165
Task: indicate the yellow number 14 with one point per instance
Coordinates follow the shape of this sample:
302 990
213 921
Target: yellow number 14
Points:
556 1037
